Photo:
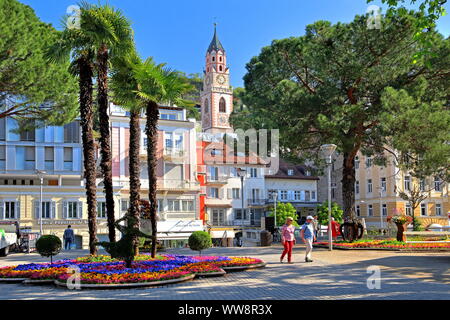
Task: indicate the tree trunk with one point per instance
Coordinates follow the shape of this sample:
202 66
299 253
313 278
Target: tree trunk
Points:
152 114
87 124
348 187
135 172
348 197
105 138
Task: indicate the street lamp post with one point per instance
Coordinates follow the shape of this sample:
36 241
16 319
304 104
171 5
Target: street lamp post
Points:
381 208
327 151
242 172
40 174
275 197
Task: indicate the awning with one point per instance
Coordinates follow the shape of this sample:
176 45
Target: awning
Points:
173 235
219 234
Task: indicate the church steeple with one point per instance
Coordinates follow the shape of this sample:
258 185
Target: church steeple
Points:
217 95
215 44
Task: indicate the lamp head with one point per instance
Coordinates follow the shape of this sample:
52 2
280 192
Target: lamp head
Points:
241 172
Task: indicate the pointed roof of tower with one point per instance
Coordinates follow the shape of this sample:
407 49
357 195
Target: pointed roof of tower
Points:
215 44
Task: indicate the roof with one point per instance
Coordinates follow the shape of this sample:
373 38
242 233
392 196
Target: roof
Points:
299 172
215 44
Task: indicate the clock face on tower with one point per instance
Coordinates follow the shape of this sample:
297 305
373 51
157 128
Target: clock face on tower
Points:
222 120
221 79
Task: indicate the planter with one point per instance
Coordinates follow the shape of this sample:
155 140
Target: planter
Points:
401 229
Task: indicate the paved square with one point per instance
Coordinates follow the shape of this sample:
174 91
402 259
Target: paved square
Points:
333 275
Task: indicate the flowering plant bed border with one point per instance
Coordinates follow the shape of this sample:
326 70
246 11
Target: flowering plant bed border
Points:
129 285
239 268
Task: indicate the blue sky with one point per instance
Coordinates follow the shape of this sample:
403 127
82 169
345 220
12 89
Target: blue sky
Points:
178 32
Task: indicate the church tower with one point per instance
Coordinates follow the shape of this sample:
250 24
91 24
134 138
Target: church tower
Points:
217 95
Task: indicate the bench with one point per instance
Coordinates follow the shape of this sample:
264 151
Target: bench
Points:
427 234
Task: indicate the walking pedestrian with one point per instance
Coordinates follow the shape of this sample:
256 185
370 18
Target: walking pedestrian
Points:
287 239
316 225
308 237
69 237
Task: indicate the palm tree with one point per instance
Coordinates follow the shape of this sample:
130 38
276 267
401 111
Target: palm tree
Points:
148 83
110 35
73 45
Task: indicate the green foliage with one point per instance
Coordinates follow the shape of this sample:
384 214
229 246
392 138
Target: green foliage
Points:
336 212
285 210
200 240
30 87
417 226
333 85
48 245
125 248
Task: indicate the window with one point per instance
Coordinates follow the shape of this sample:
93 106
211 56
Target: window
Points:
206 106
233 172
438 209
173 205
179 141
168 140
29 158
187 205
46 209
10 210
307 196
383 184
168 116
68 156
407 183
408 209
313 195
101 209
222 105
255 194
72 132
356 162
49 158
384 209
218 217
213 59
283 195
220 68
253 172
236 193
297 195
290 172
437 184
238 214
368 162
358 211
124 205
370 210
2 157
213 173
357 187
369 185
220 58
423 209
213 193
2 129
422 184
28 135
160 207
72 210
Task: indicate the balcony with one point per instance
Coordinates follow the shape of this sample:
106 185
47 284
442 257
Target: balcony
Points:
178 185
173 154
216 179
256 202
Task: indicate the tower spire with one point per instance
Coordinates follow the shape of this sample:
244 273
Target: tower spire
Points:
215 44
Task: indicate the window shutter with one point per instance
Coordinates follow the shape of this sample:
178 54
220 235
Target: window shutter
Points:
65 210
53 210
17 210
80 210
2 210
229 191
36 209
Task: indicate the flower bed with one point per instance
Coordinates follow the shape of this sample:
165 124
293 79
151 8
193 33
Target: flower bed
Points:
102 270
386 245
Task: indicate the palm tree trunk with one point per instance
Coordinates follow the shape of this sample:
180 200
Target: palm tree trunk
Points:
87 124
152 114
105 138
135 172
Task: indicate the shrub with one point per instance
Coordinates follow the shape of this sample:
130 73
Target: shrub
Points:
336 212
417 226
200 240
48 246
285 210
